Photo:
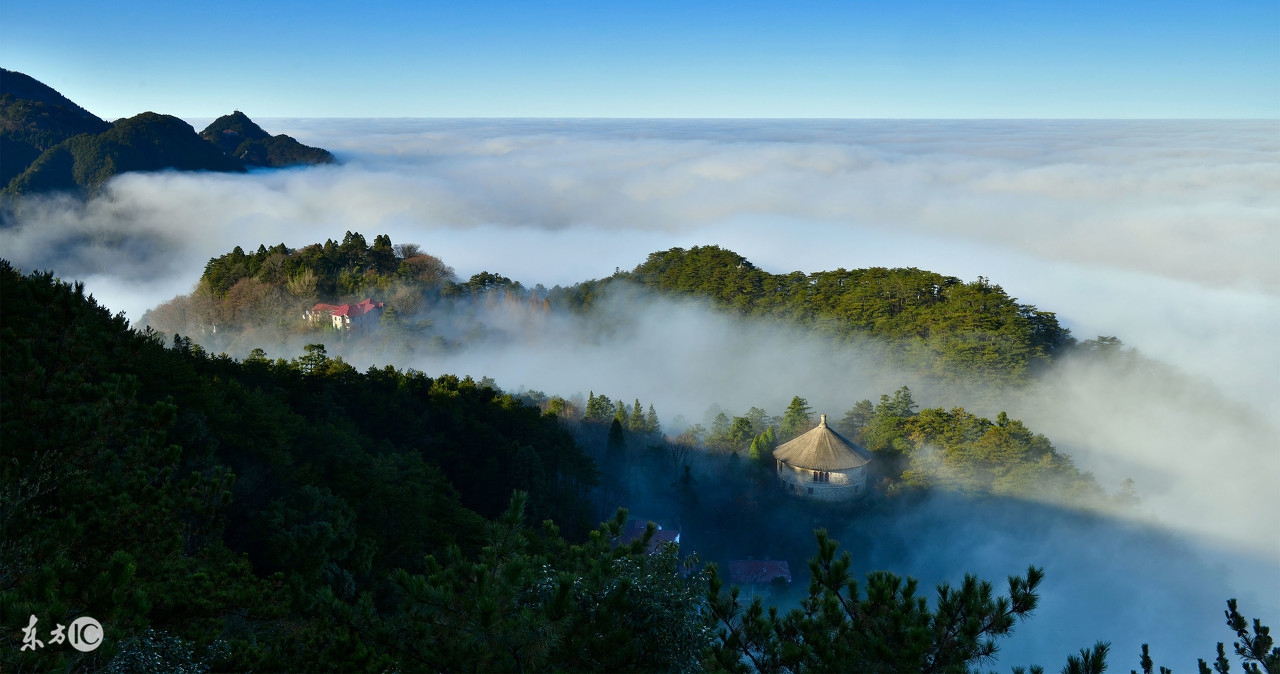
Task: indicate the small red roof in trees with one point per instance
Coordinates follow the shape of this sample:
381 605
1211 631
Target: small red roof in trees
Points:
354 310
752 571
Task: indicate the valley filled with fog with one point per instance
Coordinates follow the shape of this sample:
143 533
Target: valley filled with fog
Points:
1160 233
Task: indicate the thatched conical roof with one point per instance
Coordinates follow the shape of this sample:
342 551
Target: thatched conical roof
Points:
822 449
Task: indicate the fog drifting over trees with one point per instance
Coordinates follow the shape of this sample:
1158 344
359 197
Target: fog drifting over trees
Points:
1161 233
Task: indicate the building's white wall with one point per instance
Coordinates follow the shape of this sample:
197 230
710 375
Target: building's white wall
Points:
844 484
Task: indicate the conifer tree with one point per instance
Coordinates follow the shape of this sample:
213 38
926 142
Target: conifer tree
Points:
636 423
755 454
739 432
770 440
797 418
599 408
856 418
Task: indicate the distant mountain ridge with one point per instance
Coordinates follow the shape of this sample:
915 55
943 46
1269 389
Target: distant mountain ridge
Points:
239 137
33 119
48 143
25 87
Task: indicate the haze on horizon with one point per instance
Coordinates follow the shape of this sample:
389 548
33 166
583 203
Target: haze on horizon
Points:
1064 215
1162 233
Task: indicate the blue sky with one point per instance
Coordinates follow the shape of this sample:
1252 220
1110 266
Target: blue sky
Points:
1079 59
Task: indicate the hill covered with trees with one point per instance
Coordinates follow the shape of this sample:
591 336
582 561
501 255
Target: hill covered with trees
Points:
48 143
299 515
238 137
145 142
946 330
33 119
153 485
938 325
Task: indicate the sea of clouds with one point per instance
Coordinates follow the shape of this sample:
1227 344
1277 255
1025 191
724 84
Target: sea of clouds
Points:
1165 234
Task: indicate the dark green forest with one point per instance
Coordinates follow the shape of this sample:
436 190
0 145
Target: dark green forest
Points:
48 143
209 490
302 515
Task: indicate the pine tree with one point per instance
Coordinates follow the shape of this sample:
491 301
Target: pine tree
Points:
889 628
856 418
797 418
635 423
599 408
755 452
651 424
719 429
740 432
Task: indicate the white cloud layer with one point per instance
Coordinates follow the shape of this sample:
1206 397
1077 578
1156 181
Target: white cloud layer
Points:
1165 234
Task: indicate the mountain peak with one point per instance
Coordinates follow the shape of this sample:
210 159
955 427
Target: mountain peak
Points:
26 87
49 143
229 131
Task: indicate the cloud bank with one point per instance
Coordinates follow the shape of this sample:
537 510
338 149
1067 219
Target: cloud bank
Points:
1162 233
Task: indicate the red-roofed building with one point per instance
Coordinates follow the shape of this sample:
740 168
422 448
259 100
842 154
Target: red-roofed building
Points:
344 316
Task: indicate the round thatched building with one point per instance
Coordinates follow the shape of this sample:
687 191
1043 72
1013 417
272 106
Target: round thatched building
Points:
823 465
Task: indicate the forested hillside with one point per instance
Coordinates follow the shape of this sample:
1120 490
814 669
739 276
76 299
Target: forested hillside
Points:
946 330
301 515
34 118
156 486
48 143
238 137
297 515
915 449
145 142
936 324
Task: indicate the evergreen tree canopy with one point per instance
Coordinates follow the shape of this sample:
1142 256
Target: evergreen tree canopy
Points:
936 324
161 488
